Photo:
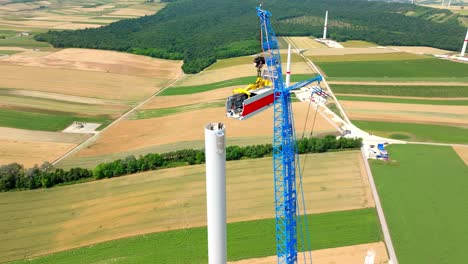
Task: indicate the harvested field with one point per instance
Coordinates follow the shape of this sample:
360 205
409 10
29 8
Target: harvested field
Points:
13 134
349 255
79 83
346 51
305 43
411 100
48 220
29 153
408 113
136 134
180 100
227 73
101 61
462 153
368 57
244 60
420 50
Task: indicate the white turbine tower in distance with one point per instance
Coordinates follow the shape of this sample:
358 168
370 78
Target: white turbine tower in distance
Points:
325 26
465 42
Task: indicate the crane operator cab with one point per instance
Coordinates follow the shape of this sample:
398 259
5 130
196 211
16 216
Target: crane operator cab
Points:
252 99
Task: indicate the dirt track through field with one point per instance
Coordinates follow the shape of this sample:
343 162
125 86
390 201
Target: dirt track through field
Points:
462 152
188 126
406 97
412 113
342 255
160 200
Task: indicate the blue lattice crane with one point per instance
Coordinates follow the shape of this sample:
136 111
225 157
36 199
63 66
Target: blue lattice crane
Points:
270 90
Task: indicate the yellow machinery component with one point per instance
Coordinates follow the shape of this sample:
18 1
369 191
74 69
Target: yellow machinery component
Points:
259 83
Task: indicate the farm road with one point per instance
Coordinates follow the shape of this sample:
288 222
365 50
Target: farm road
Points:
95 136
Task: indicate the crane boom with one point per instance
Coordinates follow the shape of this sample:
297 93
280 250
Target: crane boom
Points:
284 164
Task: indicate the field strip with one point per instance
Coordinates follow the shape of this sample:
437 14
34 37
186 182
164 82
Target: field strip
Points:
315 68
378 206
406 97
94 137
462 153
350 255
408 83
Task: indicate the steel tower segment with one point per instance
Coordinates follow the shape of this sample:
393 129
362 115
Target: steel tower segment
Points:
284 165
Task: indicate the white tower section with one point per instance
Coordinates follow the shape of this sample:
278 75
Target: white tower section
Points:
449 3
465 41
288 67
215 155
325 26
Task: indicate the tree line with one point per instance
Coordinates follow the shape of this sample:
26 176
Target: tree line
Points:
202 31
15 177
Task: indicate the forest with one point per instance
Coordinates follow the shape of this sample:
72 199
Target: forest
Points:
202 31
15 177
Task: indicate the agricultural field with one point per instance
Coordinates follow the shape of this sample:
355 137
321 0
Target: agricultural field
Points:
305 42
423 193
24 16
429 113
412 70
349 254
34 147
245 240
227 70
141 134
64 86
81 214
415 132
357 44
438 90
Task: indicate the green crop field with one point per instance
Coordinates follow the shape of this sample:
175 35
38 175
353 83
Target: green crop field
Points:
8 52
41 221
418 91
44 121
398 56
160 112
423 193
181 90
25 42
402 100
357 44
424 69
415 132
245 240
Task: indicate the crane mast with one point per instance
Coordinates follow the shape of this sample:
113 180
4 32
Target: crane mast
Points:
284 164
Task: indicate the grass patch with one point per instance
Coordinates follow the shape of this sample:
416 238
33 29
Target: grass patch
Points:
152 113
424 197
428 68
402 100
44 121
418 91
9 52
394 56
416 132
181 90
25 42
334 109
246 240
